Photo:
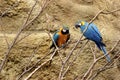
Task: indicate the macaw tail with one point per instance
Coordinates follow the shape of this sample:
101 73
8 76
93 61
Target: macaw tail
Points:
52 46
101 46
105 52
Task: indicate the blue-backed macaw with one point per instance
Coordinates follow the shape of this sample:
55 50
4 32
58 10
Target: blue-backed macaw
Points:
92 33
61 37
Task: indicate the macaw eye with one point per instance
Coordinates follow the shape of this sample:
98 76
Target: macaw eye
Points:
64 30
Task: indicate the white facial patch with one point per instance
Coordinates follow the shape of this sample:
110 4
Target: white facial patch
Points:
64 30
80 24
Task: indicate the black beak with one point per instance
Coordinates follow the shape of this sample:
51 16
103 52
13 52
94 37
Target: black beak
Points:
76 26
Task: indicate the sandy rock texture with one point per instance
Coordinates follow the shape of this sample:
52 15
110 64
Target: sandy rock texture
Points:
55 15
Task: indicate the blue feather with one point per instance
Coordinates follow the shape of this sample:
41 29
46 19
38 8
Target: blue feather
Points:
101 46
105 52
55 38
92 33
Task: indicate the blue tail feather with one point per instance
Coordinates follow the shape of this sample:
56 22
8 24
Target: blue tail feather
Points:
105 52
101 46
98 45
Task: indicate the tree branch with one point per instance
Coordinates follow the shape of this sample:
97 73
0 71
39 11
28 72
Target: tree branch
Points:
95 61
21 29
41 65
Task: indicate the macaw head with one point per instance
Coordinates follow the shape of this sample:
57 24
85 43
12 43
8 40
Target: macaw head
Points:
79 24
64 30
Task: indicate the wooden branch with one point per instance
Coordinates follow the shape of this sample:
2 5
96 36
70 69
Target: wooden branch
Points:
21 29
96 60
101 11
105 67
111 11
71 52
94 54
88 74
41 65
55 46
35 50
71 63
110 50
95 16
116 44
52 39
41 9
88 71
14 41
29 69
68 57
22 38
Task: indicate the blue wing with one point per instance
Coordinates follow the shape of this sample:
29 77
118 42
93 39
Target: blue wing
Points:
92 33
93 26
55 38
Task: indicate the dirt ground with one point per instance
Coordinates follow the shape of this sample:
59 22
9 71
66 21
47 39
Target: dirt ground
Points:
62 12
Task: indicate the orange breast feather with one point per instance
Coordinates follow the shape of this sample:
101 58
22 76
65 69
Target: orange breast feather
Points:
62 39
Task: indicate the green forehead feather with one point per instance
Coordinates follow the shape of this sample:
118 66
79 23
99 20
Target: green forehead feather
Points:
65 27
78 22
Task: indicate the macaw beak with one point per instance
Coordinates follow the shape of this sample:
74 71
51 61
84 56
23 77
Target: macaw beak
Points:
76 26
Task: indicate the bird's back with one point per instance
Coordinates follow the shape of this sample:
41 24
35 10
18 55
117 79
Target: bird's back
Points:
92 32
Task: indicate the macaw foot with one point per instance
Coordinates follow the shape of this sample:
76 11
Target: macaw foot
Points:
63 45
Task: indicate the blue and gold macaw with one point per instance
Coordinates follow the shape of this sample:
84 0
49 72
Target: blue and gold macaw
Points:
61 37
92 33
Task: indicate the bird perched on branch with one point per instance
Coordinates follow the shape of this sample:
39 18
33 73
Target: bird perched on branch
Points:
91 32
61 37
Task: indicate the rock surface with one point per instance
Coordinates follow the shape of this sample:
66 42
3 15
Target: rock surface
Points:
57 13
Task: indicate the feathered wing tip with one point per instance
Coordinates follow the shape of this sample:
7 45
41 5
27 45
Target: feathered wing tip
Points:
101 46
105 52
52 46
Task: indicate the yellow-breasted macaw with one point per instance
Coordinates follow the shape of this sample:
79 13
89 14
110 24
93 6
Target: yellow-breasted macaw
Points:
92 33
61 37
